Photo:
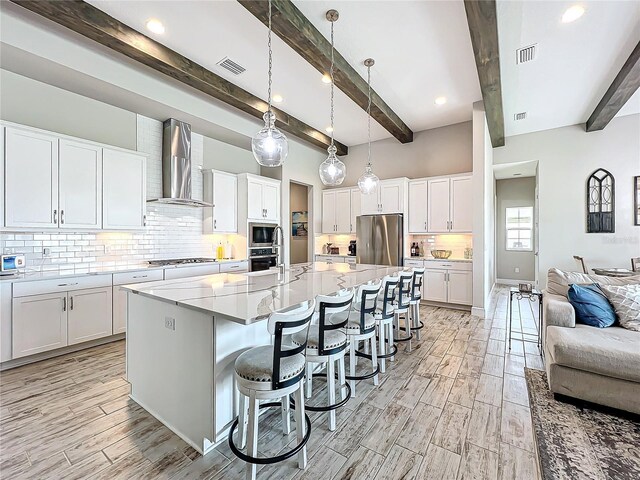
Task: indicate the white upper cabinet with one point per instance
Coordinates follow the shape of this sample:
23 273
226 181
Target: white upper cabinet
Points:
356 199
336 211
259 198
461 204
438 205
31 179
418 206
124 190
388 198
221 190
449 205
80 185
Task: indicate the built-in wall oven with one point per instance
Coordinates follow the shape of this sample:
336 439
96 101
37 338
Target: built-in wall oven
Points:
261 234
261 259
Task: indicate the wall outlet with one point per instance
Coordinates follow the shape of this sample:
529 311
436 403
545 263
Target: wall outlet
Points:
46 251
517 269
170 323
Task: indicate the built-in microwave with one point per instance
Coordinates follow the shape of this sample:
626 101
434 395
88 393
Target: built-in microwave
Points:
261 234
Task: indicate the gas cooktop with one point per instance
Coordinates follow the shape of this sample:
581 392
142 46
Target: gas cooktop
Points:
179 261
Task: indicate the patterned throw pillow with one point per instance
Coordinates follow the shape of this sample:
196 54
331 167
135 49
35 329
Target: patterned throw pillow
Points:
626 302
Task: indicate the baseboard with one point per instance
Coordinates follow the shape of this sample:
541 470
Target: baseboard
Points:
508 281
477 312
18 362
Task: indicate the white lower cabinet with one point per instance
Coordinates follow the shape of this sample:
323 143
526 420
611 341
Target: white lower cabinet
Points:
448 282
460 287
191 271
120 295
39 323
435 285
89 315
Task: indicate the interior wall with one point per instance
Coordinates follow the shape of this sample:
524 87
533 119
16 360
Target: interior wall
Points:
228 158
566 157
36 104
438 151
298 202
513 192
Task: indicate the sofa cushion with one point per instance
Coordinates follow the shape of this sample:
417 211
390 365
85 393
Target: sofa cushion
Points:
614 351
626 302
591 305
558 281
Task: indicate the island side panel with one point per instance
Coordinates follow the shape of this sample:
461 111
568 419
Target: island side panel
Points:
231 339
171 370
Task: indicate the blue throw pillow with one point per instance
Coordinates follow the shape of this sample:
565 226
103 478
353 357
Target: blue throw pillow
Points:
591 305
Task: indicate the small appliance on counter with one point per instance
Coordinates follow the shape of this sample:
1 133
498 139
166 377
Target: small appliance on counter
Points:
352 248
9 264
334 250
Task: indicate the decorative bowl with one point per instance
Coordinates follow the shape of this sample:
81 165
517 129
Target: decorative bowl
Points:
441 254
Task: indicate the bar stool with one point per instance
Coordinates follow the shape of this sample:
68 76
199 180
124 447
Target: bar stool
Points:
326 345
414 303
402 305
362 327
384 316
272 372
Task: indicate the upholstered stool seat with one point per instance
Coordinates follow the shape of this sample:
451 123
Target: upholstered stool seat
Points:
256 365
354 321
332 338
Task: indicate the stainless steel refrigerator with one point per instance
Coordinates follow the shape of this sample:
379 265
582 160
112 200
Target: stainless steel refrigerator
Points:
380 239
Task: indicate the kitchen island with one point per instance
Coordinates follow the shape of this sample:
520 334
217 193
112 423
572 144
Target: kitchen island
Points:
183 337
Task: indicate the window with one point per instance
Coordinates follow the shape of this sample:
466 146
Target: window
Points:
519 226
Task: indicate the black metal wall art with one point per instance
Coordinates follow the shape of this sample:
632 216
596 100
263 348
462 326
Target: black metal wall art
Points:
601 214
636 200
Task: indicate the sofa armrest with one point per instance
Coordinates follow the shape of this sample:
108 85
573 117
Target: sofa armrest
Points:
557 311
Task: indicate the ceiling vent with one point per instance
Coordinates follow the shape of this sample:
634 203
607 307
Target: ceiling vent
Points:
520 116
232 66
526 54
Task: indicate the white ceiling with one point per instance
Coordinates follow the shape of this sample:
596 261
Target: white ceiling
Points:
575 64
422 51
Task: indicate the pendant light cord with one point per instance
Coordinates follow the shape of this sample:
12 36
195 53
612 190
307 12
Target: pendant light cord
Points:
331 74
369 117
270 61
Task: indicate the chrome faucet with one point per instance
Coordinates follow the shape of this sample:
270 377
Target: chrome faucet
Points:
278 244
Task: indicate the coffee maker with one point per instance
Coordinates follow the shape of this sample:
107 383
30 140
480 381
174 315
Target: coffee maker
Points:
352 248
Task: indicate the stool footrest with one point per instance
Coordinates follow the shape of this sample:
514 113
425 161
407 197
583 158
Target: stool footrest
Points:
392 352
327 408
403 339
418 328
365 376
269 460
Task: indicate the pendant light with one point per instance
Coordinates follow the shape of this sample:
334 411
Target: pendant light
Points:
368 182
269 145
332 170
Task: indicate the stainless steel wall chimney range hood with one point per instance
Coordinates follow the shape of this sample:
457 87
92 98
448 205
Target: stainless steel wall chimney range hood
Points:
176 165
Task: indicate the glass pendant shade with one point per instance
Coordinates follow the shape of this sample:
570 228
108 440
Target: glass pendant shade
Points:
269 145
332 170
368 182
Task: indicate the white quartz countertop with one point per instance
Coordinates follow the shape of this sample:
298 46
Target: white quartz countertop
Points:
431 259
34 275
249 297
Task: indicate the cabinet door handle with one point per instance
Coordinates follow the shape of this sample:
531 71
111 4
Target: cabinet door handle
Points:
140 276
61 216
55 217
144 220
70 303
67 284
214 223
64 304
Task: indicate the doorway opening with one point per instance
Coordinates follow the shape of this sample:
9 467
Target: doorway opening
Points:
301 228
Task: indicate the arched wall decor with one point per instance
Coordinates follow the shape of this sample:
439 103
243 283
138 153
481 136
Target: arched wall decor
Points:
601 214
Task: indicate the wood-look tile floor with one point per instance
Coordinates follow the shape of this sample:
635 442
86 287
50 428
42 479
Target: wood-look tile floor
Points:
456 407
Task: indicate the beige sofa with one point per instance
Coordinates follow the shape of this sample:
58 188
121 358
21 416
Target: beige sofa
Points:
600 365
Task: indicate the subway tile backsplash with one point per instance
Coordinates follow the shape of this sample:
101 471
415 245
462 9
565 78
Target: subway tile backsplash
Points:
172 231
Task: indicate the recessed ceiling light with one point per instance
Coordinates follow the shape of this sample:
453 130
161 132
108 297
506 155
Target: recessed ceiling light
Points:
572 14
154 25
277 98
441 100
326 78
329 129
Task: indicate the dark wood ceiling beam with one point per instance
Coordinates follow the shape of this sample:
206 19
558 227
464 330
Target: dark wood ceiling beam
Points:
483 27
623 87
302 36
96 25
